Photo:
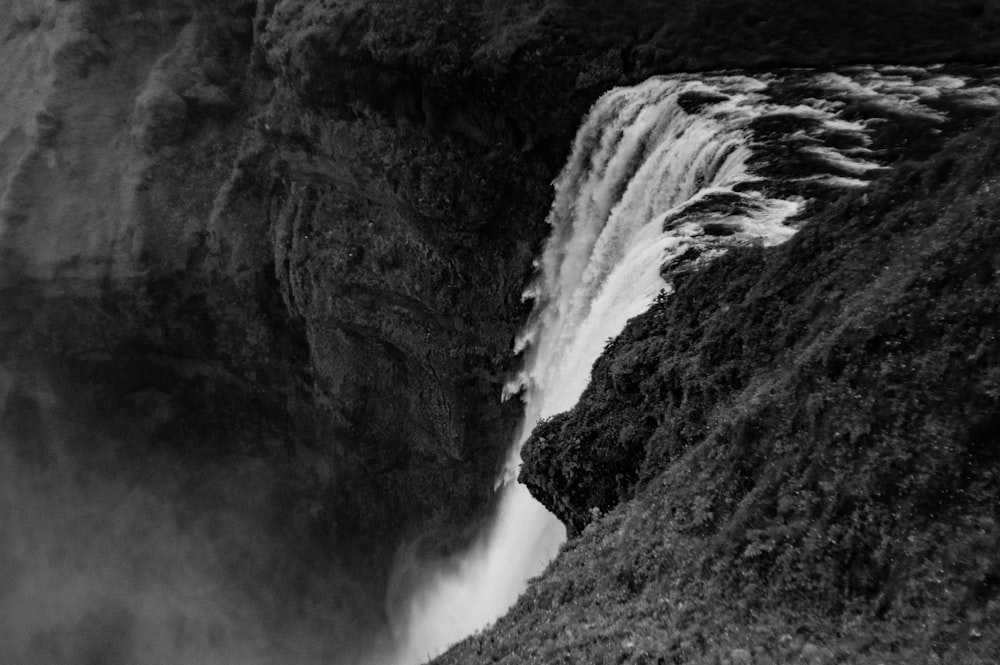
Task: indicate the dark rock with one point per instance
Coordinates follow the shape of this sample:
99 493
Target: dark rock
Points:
695 101
718 229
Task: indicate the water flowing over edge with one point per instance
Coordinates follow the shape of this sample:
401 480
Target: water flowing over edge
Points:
663 177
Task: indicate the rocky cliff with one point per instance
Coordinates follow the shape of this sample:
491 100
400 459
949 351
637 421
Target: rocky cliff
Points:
286 241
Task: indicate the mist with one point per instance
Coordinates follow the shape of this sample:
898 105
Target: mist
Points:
114 553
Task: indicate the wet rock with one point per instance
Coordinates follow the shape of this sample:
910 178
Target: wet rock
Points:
719 229
693 102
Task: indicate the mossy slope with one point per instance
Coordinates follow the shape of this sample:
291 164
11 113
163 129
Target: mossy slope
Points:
804 442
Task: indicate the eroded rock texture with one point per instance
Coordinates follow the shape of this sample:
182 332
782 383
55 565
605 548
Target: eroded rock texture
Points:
209 271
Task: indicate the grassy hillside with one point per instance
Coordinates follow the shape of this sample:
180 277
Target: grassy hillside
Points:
804 442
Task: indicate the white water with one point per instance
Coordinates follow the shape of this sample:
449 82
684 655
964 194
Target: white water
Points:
637 158
626 204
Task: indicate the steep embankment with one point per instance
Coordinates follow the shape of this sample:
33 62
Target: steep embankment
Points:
289 239
797 451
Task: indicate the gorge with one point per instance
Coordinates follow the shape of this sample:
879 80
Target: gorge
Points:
262 277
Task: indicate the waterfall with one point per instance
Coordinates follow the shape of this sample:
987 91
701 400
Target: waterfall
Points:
662 177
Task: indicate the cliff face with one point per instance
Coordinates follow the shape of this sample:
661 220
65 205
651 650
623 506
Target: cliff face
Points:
334 283
291 237
285 317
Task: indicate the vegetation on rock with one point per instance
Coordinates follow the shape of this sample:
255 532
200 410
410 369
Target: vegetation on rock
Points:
799 445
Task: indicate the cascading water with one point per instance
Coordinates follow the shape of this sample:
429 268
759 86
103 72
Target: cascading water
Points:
663 176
